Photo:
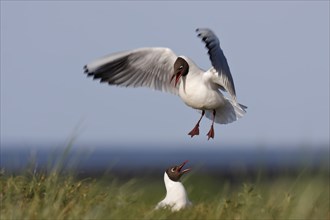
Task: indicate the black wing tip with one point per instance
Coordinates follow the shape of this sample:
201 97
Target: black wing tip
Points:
87 72
85 69
201 30
244 107
204 34
103 80
95 76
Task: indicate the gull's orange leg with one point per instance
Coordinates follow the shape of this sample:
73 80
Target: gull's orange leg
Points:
195 130
210 134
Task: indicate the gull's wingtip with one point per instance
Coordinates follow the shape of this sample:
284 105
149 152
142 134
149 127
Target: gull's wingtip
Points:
85 69
204 33
203 30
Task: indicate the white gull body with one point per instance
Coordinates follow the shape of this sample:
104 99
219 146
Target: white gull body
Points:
200 90
176 196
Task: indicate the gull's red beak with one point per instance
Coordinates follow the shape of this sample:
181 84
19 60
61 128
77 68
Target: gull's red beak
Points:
185 170
177 77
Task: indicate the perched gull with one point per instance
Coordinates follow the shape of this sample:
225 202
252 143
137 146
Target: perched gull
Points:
176 196
157 68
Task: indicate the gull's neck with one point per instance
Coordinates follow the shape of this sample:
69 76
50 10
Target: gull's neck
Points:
175 190
176 195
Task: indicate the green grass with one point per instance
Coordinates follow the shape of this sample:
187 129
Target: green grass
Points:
304 195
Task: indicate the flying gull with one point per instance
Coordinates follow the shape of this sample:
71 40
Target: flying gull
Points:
161 69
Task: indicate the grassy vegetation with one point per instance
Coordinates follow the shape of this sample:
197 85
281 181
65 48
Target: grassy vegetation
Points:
304 195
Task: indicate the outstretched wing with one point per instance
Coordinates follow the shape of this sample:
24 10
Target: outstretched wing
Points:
218 60
144 67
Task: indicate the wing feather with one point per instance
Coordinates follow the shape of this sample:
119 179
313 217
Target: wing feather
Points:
218 60
144 67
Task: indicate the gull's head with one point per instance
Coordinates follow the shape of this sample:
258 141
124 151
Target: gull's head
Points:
181 68
175 172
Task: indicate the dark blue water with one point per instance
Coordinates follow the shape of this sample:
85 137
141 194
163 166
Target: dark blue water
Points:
16 158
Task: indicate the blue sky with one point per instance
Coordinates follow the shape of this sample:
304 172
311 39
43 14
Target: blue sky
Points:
278 53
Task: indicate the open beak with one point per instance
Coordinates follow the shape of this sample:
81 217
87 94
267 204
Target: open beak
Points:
177 77
185 170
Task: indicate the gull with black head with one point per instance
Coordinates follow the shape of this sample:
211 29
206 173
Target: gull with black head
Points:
161 69
176 196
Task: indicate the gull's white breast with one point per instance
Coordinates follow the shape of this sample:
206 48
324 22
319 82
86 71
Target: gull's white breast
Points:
197 91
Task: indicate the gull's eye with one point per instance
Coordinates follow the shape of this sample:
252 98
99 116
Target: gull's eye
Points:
173 170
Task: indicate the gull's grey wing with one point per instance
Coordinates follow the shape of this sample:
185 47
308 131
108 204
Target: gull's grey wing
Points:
144 67
218 60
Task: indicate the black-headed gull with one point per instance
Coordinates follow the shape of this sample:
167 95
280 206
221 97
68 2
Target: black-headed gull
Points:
176 196
161 69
